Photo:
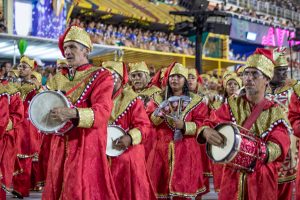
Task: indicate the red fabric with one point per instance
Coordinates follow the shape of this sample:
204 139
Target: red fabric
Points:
4 118
29 143
77 166
294 118
61 41
7 164
156 79
266 52
130 167
125 75
186 175
285 190
44 158
262 183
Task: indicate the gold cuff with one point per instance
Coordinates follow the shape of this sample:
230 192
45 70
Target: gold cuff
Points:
9 125
190 128
86 117
136 136
199 138
274 151
156 120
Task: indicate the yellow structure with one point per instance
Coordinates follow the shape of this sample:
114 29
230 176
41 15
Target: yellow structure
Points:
163 59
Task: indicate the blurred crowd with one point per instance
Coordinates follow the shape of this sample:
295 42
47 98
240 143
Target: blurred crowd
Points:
135 37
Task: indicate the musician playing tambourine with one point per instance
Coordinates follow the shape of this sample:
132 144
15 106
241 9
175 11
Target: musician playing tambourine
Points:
266 125
129 169
174 164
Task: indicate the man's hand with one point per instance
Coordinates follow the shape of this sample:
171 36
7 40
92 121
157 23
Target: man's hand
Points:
179 124
122 143
213 137
62 114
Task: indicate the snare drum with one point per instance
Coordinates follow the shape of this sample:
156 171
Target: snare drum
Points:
113 133
40 107
240 151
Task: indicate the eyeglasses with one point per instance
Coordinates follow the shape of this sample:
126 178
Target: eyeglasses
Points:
24 67
254 74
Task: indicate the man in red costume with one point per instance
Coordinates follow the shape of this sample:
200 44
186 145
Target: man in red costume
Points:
77 166
139 75
30 138
264 119
281 91
4 123
8 146
294 117
129 114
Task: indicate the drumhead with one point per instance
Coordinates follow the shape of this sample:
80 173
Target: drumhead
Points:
40 107
113 132
222 154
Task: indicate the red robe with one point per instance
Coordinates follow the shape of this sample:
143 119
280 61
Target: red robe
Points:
174 167
78 167
4 120
294 117
262 183
11 135
29 143
129 169
288 170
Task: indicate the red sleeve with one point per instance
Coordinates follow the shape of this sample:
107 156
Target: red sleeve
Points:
139 119
101 100
280 136
294 114
220 115
4 114
16 110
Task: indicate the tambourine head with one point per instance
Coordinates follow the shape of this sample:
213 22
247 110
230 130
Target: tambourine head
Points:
113 133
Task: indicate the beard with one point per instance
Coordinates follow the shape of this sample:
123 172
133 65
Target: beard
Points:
251 91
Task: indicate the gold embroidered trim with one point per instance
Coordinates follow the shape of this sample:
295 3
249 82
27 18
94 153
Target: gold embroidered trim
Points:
287 179
286 87
190 128
297 89
136 136
240 110
242 186
121 103
182 194
9 125
156 120
86 117
61 82
11 88
23 156
171 155
149 91
274 151
25 89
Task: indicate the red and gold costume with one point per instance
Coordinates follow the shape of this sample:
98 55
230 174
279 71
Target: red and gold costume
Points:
271 127
129 169
77 166
29 140
174 166
294 117
9 139
4 123
288 170
147 95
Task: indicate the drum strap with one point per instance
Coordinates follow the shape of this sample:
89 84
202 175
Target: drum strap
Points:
77 86
254 114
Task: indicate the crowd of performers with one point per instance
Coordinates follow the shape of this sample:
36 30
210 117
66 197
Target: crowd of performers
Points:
164 156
